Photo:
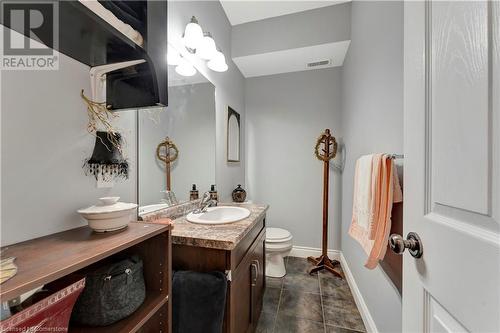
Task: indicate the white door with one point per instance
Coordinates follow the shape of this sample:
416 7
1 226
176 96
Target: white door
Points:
452 163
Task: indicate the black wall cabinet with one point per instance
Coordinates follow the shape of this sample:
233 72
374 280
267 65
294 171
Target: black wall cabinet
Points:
87 38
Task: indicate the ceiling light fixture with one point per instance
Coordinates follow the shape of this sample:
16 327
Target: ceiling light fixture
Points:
203 46
206 49
218 62
193 34
185 68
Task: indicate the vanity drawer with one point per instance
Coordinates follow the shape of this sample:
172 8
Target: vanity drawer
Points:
245 244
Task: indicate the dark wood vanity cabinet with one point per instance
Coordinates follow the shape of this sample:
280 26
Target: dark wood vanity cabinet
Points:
245 267
247 288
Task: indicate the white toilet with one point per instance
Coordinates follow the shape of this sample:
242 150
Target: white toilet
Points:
278 246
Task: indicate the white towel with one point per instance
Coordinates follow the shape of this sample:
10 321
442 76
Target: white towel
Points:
363 191
376 187
109 17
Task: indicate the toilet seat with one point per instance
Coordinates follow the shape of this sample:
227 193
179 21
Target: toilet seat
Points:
277 235
278 245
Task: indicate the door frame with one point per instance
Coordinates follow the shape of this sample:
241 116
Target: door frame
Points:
415 108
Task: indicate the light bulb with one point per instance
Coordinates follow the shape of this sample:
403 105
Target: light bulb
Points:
218 63
185 68
206 50
192 34
173 57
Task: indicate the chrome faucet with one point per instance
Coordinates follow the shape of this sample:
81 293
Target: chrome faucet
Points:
205 202
170 198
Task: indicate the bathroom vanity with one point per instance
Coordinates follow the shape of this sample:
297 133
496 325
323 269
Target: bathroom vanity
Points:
237 249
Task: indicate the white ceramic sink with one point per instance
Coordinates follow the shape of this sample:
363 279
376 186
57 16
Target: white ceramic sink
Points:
151 208
219 215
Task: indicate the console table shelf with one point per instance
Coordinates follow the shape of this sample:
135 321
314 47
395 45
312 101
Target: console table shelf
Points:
56 256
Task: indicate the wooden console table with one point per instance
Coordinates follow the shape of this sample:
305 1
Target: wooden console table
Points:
53 257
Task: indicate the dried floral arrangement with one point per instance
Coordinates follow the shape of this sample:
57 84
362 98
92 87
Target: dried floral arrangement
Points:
107 160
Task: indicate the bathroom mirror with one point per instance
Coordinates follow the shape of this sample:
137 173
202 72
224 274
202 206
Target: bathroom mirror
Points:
186 129
233 135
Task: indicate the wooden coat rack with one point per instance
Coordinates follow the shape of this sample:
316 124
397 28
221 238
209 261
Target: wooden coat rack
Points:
325 150
167 144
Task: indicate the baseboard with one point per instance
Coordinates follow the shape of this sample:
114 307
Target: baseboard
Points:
304 252
358 298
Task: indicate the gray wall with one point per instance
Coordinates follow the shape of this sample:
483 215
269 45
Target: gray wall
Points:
44 143
372 121
285 115
313 27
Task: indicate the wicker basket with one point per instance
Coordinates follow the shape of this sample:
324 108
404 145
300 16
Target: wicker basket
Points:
51 314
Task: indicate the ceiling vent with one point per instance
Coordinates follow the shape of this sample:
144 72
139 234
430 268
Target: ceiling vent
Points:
319 63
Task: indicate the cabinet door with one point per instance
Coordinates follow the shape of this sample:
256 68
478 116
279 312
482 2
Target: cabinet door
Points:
241 297
247 288
257 279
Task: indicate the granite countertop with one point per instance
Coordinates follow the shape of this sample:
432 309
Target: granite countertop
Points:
223 236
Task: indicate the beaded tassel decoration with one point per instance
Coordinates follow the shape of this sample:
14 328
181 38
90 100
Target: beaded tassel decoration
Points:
107 162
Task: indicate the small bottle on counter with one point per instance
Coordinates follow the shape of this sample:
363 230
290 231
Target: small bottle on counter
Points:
194 194
213 194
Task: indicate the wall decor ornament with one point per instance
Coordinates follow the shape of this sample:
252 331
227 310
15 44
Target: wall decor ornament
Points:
239 194
107 162
167 145
326 139
233 135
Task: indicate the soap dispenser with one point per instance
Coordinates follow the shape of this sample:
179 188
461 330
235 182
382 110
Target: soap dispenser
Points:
193 194
213 194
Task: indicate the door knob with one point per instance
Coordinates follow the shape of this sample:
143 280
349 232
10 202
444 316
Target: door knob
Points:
412 242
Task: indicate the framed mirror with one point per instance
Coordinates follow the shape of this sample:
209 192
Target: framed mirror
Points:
176 144
233 135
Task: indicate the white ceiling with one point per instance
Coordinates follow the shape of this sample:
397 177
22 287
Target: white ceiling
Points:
239 12
292 60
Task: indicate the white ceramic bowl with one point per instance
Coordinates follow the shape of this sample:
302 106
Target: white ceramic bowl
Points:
109 218
110 224
107 201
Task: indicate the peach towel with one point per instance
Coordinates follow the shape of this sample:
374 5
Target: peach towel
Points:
376 188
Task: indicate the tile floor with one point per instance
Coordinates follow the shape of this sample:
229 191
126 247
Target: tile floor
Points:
304 303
